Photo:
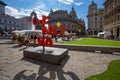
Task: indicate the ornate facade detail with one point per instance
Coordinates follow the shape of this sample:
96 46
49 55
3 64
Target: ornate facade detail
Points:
69 20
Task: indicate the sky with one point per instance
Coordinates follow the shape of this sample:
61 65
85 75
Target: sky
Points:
22 8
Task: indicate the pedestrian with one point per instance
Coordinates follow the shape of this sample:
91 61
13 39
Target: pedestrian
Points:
26 39
14 37
32 37
35 37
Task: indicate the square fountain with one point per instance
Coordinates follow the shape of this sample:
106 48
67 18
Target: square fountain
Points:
50 55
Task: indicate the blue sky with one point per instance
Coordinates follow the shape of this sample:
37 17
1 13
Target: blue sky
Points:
21 8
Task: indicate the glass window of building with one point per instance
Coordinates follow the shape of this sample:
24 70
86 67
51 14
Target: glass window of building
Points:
95 18
118 18
118 1
14 23
5 21
10 22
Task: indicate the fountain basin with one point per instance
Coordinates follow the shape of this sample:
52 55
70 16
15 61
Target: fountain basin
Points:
51 54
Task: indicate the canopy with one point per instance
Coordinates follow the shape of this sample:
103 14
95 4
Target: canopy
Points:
22 32
107 33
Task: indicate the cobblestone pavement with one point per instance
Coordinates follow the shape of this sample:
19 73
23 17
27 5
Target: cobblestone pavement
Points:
77 66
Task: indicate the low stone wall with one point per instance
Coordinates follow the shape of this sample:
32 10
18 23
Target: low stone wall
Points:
89 48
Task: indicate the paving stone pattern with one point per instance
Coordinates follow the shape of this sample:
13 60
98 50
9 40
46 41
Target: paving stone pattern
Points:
77 66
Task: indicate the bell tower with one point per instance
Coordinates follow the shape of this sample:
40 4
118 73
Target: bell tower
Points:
73 13
2 6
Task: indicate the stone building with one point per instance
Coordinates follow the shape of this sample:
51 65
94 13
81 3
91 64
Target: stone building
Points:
69 20
112 17
7 22
2 6
27 22
95 19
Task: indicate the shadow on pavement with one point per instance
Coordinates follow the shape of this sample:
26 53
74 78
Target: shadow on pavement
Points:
55 71
22 48
16 46
21 76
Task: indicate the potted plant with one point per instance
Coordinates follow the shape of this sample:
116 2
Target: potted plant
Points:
20 40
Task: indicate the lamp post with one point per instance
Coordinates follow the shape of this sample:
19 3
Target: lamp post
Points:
79 32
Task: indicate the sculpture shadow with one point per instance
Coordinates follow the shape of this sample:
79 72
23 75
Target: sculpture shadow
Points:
16 46
22 48
54 71
21 76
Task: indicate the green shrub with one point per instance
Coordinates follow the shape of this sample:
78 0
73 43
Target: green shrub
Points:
20 38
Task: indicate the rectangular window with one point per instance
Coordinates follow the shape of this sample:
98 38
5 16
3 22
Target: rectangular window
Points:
118 1
95 18
5 21
118 18
10 22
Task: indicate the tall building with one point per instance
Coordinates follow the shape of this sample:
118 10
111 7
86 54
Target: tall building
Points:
7 22
95 19
69 20
2 6
112 17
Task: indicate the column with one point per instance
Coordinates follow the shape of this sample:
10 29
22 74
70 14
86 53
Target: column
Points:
114 31
119 33
93 32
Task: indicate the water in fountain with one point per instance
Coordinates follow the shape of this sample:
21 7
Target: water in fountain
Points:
33 30
33 26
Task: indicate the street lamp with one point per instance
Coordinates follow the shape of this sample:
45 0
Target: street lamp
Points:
79 32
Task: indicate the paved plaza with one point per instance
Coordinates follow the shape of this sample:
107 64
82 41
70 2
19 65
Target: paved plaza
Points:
77 66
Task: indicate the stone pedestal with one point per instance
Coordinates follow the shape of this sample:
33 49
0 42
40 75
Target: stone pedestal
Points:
51 54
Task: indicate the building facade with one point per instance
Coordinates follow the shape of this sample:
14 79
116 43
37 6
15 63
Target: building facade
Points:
7 22
112 17
69 20
95 19
2 6
27 22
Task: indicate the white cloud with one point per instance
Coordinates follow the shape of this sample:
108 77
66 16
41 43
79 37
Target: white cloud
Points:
66 1
25 12
79 3
55 9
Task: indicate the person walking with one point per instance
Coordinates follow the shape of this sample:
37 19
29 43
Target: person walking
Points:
35 37
26 39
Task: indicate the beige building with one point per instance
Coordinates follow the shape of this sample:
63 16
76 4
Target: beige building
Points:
112 17
69 20
95 19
